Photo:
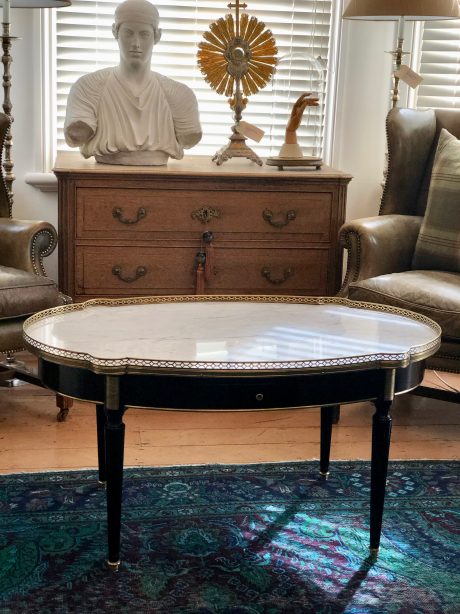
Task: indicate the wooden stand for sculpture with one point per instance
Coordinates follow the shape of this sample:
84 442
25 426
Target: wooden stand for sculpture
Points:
291 155
306 161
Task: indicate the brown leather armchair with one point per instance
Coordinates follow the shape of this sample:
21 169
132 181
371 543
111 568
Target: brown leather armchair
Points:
380 248
24 287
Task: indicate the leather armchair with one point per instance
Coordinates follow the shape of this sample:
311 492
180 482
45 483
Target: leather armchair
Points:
24 287
380 248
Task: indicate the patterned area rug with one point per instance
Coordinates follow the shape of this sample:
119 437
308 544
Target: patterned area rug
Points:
251 539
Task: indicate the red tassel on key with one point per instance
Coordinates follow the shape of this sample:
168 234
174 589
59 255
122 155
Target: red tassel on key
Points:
200 272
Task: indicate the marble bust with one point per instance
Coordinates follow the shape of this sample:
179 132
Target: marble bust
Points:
129 114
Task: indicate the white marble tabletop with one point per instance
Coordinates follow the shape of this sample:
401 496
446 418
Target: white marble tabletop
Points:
251 333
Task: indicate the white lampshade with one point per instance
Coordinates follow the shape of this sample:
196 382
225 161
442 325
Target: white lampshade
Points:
37 4
393 10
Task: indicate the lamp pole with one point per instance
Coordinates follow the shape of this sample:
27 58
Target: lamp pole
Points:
7 106
397 56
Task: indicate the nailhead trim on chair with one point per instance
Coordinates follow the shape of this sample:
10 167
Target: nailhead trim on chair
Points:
388 173
38 266
352 271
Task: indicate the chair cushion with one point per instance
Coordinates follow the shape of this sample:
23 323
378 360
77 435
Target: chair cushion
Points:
438 244
22 293
435 294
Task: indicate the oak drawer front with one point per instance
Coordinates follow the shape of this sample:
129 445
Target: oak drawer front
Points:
136 212
268 271
114 271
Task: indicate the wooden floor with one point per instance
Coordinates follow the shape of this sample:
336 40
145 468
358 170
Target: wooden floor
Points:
32 440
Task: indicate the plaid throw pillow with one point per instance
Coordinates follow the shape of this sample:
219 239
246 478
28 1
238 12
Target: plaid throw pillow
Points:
438 244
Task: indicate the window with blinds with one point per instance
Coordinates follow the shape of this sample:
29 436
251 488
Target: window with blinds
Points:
302 31
440 65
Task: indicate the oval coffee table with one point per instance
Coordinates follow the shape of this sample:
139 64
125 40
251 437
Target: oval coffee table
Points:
231 353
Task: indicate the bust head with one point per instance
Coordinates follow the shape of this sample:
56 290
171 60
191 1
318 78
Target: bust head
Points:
136 31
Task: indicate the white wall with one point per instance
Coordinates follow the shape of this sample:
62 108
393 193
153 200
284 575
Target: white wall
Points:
363 100
359 146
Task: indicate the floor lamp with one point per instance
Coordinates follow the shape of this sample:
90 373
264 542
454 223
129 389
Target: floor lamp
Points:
401 11
6 60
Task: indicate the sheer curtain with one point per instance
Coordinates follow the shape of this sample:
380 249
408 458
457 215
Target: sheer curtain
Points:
85 43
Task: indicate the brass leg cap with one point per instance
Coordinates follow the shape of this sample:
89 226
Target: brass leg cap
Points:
324 474
374 552
113 566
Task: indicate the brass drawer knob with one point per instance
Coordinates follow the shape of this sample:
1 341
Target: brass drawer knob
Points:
140 272
266 272
117 213
268 217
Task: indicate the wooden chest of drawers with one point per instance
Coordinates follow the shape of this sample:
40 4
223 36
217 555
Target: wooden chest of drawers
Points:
131 231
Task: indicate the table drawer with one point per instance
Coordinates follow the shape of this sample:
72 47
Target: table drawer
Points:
117 271
143 213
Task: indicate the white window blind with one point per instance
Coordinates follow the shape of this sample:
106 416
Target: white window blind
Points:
301 27
440 65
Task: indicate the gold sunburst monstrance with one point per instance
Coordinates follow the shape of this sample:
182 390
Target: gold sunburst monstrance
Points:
237 58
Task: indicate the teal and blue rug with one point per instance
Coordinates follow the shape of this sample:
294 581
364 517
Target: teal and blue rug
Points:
233 539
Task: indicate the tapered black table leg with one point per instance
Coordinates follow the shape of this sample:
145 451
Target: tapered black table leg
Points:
114 449
381 435
114 439
327 417
100 421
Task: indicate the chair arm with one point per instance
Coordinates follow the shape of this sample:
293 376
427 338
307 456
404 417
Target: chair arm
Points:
24 244
378 245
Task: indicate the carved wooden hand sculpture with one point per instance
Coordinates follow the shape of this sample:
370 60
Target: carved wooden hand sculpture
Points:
305 100
291 153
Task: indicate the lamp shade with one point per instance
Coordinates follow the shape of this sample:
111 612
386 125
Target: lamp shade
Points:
411 10
37 4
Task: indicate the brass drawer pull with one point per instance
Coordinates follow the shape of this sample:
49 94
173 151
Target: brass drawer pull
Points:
117 213
205 214
268 217
140 272
266 272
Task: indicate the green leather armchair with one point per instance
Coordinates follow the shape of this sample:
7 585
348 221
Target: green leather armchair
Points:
380 248
24 287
